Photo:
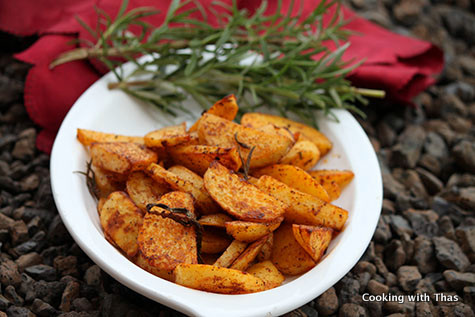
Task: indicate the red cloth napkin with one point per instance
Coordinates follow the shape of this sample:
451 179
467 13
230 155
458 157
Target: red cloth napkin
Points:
401 66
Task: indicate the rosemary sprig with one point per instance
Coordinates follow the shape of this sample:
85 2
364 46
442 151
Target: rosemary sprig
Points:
90 180
246 164
263 59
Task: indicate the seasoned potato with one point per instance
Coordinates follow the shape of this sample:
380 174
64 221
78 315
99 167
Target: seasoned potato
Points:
217 279
239 198
87 137
287 254
233 251
255 119
165 243
121 221
214 241
143 190
269 148
294 177
168 136
304 208
203 201
100 204
225 108
304 154
333 190
198 157
340 177
267 272
215 220
266 250
107 182
247 231
245 259
314 240
122 157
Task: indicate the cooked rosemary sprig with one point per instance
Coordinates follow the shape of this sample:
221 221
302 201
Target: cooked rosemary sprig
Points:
90 180
195 59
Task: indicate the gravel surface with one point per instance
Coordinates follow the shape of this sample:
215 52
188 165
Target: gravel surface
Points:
424 242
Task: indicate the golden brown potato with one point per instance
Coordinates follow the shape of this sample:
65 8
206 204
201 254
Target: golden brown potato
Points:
122 157
247 231
168 136
232 252
215 220
333 190
304 154
267 272
214 241
225 108
121 221
203 201
266 250
255 119
340 177
217 279
239 198
198 157
143 262
294 177
314 240
269 148
245 259
304 208
107 182
143 190
165 243
87 137
287 254
100 204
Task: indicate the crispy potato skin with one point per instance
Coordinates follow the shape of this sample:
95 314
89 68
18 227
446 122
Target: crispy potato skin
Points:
247 231
198 157
143 190
121 221
267 272
239 198
304 154
304 208
269 148
232 252
314 240
122 157
164 243
217 279
168 136
215 220
340 177
87 137
245 259
255 119
225 108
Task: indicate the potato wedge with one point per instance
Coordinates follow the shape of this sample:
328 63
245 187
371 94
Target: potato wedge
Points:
143 190
198 157
121 221
225 108
333 190
287 254
87 137
304 208
267 272
143 262
215 220
168 136
304 154
203 201
255 119
245 259
239 198
122 157
341 177
294 177
107 182
266 250
247 231
269 148
314 240
232 252
164 243
217 279
214 241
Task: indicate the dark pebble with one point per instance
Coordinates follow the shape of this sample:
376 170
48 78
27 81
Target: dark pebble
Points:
449 254
43 309
327 303
16 311
41 272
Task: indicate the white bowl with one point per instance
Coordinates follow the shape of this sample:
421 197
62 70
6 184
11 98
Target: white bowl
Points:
113 111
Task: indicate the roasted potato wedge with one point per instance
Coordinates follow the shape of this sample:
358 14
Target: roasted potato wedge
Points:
269 148
217 279
314 240
87 137
245 259
287 254
232 252
168 136
203 201
122 157
304 154
165 243
225 108
121 221
215 220
247 231
143 190
239 198
107 182
214 241
266 250
304 208
267 272
198 157
255 119
340 177
294 177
